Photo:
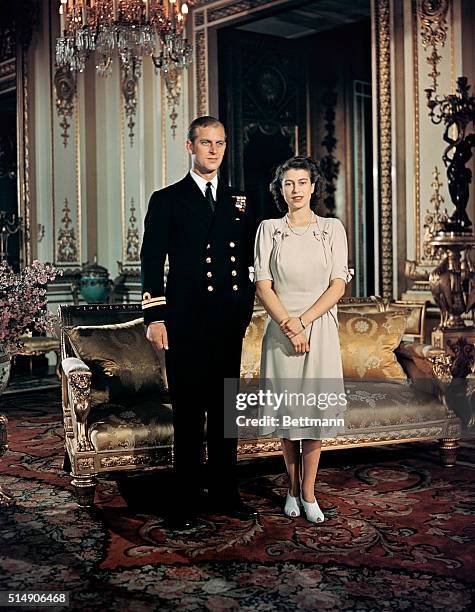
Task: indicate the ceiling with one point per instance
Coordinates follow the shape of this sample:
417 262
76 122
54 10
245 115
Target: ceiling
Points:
311 18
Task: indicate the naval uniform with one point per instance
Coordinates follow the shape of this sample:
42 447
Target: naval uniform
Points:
206 306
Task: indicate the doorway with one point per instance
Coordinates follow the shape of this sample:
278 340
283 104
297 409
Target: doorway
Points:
298 82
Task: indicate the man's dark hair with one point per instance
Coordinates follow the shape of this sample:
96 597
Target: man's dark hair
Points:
204 121
297 163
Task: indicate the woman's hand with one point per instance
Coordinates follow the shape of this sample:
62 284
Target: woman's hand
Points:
291 327
300 343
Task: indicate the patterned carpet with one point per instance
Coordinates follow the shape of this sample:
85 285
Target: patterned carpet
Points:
399 534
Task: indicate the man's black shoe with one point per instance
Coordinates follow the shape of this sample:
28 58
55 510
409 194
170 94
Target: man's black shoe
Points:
241 511
180 522
233 508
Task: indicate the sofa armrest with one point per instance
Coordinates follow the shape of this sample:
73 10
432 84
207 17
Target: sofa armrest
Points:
417 349
419 355
443 364
427 367
73 364
78 381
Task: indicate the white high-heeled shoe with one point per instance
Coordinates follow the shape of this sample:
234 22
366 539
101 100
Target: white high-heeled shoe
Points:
312 511
292 505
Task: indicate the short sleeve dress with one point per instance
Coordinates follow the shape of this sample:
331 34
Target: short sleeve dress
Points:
301 265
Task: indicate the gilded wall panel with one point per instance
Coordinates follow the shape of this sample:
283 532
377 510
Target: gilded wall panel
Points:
66 164
431 31
131 180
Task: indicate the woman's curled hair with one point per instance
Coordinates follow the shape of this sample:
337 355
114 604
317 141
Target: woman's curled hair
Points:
297 163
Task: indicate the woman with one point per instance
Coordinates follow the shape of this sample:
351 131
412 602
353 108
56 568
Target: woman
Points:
301 271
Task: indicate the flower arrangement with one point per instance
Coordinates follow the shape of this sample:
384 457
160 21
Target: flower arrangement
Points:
23 302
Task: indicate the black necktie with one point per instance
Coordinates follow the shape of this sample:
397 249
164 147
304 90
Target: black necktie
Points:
209 197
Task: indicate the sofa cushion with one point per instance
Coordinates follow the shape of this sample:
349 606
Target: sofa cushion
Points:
414 312
146 423
375 405
390 404
368 338
415 317
368 341
123 362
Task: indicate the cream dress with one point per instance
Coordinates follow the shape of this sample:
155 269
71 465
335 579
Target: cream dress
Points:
301 266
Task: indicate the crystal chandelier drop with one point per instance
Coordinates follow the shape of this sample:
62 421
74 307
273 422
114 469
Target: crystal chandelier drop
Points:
130 29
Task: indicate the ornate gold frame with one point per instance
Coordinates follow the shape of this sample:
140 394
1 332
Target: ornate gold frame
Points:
381 20
208 15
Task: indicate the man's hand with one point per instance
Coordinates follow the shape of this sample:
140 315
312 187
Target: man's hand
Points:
300 343
157 335
291 327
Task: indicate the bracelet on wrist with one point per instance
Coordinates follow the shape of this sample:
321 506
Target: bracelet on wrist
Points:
302 323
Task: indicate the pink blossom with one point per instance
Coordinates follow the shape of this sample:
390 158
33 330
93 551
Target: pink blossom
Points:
23 302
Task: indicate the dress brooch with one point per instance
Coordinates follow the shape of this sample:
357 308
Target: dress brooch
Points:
319 234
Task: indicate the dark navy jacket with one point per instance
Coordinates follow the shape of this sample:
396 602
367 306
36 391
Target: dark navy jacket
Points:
208 290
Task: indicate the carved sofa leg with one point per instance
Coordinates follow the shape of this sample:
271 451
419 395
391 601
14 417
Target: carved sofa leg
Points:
448 451
85 490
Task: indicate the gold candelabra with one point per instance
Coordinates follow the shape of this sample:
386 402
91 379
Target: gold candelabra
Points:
452 282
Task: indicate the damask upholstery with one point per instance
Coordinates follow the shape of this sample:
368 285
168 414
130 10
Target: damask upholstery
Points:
388 404
368 341
122 360
147 423
415 311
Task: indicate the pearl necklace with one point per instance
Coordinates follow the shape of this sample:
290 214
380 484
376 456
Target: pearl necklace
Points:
292 229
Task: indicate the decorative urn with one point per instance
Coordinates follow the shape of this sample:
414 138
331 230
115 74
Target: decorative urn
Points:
94 283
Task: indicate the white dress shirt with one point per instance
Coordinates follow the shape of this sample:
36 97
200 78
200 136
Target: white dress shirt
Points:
201 182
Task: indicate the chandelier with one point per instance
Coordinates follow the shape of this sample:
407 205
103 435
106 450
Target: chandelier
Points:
131 29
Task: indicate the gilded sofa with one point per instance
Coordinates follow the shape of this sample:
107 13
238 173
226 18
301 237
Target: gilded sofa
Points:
109 434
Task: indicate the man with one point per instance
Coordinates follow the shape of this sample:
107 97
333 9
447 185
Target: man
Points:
207 232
